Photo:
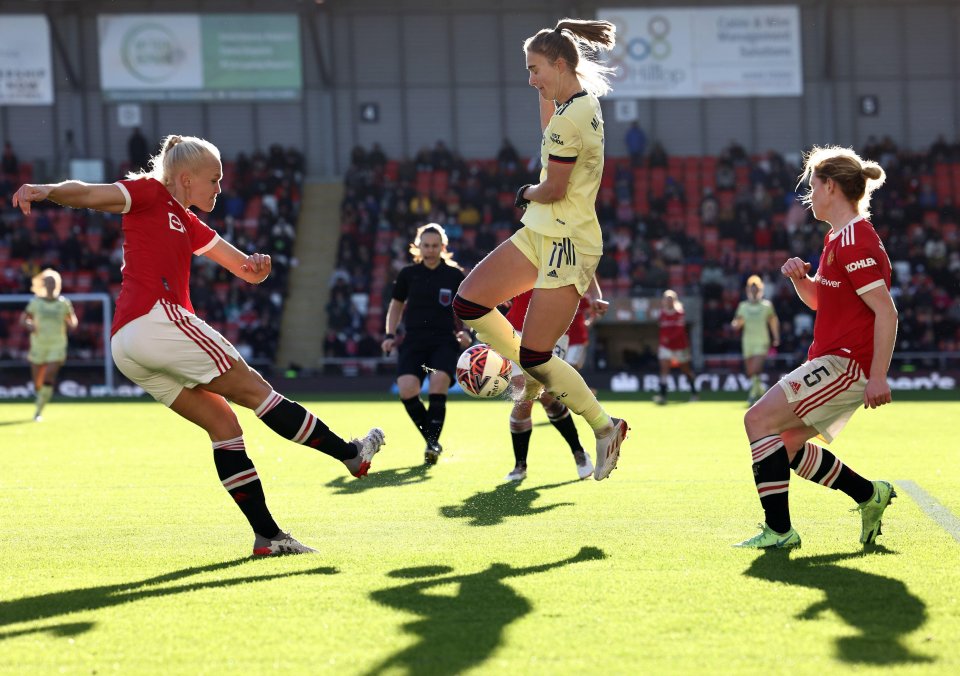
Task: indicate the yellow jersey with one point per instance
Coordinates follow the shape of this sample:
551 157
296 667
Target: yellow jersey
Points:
50 319
574 135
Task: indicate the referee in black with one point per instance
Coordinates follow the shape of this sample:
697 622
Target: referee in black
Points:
433 339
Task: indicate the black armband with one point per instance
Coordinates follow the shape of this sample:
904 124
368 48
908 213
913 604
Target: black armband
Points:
521 202
389 336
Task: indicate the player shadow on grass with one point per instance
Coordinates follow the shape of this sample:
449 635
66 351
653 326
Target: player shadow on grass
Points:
489 508
4 423
401 476
456 632
881 609
56 604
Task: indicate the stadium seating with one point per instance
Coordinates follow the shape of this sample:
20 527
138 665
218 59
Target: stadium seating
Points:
685 223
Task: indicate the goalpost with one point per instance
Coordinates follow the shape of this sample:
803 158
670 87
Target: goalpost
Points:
22 299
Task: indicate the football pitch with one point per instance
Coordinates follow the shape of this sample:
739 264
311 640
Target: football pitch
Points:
122 553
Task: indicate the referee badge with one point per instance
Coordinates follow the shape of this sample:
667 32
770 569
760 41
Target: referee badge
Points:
446 297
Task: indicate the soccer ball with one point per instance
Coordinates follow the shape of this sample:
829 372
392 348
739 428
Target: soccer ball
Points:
482 372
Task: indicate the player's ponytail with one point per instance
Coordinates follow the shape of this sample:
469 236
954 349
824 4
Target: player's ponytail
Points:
176 153
577 42
857 178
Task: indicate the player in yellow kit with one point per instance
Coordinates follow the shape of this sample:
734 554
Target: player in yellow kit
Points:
47 318
557 251
759 322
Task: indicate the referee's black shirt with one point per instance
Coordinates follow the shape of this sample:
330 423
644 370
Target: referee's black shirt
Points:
429 298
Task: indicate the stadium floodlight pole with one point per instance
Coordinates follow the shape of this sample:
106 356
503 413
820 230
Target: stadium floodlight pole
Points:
107 301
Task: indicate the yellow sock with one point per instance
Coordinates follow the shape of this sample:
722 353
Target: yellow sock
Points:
494 330
566 384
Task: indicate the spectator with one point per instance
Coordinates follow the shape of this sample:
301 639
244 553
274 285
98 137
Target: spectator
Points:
636 141
658 155
10 163
138 152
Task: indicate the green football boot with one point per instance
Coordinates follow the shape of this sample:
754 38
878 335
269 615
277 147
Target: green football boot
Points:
771 538
871 511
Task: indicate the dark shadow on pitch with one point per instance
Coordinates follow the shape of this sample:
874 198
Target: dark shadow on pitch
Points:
57 604
387 478
489 508
458 632
880 608
4 423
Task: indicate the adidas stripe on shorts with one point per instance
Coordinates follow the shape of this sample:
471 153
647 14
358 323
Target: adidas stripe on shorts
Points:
170 348
825 392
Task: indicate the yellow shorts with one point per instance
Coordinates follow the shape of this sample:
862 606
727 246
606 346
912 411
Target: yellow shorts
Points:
47 354
825 392
755 348
170 348
557 260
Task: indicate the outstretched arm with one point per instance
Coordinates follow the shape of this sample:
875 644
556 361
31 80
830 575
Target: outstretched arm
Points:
76 194
253 268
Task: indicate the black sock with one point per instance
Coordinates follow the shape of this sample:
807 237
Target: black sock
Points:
521 427
820 465
771 473
693 383
292 421
239 477
417 413
435 417
663 388
559 416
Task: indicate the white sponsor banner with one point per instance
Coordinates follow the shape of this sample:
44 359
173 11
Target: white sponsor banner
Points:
26 77
714 51
150 51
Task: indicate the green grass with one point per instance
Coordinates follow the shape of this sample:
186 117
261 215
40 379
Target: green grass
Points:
120 551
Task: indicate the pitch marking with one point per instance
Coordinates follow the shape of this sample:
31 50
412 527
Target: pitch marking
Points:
943 516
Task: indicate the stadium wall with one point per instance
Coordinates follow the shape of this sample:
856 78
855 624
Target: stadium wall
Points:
452 70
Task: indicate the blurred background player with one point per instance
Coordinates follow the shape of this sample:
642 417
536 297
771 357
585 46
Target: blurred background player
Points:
674 349
853 338
758 320
47 317
521 421
162 346
557 250
433 339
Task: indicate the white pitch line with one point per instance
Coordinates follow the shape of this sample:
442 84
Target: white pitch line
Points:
943 516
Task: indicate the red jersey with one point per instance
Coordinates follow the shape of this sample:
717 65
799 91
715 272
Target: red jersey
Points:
159 237
853 262
577 329
673 330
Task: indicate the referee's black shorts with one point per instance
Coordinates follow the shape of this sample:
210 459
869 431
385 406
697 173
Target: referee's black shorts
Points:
440 353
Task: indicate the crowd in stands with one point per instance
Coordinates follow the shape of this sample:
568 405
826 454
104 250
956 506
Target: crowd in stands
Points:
257 210
700 225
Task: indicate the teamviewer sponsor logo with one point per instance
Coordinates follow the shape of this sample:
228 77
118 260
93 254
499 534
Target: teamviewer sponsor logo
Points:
829 282
860 264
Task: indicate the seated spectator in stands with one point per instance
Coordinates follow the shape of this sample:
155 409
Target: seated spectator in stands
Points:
358 157
636 142
507 157
138 152
726 177
10 163
709 207
424 159
377 158
441 157
939 150
658 155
